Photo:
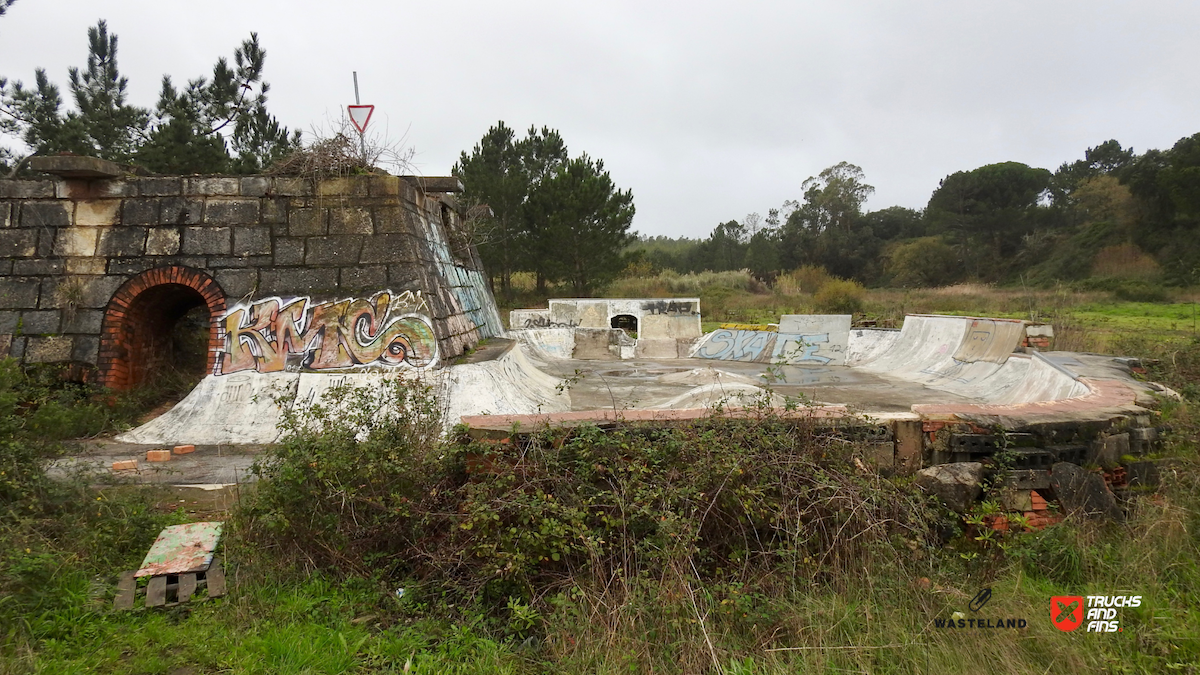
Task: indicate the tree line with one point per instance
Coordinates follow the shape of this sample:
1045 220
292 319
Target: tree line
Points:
1112 215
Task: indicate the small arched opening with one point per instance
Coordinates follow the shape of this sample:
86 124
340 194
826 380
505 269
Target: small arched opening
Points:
626 322
165 319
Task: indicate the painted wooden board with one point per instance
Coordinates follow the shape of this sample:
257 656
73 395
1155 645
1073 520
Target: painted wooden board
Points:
182 548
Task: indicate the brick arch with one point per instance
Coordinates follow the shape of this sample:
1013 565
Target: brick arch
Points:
142 313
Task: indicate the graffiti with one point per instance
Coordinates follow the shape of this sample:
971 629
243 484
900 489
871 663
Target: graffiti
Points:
545 322
672 307
413 301
272 335
765 347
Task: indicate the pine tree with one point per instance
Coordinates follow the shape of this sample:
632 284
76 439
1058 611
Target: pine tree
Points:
191 131
112 128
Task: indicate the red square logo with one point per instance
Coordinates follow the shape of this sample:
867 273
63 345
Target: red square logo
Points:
1066 612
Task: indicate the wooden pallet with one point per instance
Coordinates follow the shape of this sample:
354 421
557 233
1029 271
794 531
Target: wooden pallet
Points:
169 590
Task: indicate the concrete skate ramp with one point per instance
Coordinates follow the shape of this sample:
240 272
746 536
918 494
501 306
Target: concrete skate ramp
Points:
244 408
968 356
222 409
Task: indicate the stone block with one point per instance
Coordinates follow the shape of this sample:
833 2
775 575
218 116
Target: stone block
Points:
1144 434
37 266
41 322
1106 451
159 187
958 484
97 213
306 221
353 186
255 186
364 278
184 449
125 465
18 243
6 266
390 219
131 266
391 248
54 349
1083 492
99 290
297 281
1016 500
121 242
231 212
236 283
350 220
17 346
85 265
1142 474
211 185
158 455
252 240
140 211
46 214
289 251
6 218
86 349
83 321
8 323
76 241
207 241
181 211
163 241
383 186
292 187
339 250
274 211
19 293
881 455
26 189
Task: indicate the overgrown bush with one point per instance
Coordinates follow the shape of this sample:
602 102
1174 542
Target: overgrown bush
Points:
840 297
724 499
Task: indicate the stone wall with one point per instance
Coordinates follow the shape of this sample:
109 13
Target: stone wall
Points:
68 246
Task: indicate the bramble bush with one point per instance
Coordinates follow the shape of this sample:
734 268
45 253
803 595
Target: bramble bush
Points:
375 491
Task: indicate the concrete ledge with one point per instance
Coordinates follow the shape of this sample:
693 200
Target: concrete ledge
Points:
75 166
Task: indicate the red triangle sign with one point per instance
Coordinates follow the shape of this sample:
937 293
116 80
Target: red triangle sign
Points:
360 116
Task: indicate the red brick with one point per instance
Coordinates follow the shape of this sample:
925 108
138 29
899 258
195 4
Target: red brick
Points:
184 449
158 455
124 465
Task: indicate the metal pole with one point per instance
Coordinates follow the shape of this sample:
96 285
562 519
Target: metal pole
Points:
362 143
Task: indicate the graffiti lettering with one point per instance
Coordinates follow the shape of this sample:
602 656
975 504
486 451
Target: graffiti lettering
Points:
669 307
272 335
545 322
764 347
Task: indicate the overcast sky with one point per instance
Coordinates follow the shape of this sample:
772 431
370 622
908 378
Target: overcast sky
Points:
707 111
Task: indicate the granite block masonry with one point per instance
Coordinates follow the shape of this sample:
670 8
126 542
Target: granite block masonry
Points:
296 274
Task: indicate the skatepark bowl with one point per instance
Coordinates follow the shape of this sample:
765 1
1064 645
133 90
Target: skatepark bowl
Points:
940 389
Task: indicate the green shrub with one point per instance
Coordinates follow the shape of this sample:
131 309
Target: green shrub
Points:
840 296
369 493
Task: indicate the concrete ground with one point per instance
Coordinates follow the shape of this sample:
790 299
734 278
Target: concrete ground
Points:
656 383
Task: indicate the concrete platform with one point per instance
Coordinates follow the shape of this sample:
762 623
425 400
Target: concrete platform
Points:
935 380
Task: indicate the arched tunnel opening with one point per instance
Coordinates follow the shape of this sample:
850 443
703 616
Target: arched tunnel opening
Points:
166 334
160 330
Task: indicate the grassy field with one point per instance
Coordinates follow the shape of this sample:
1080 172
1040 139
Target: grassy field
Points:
782 606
